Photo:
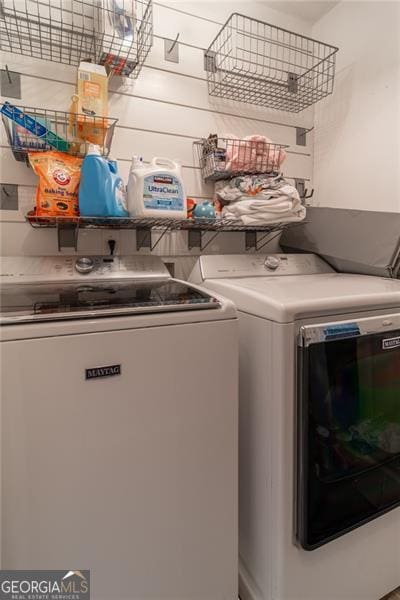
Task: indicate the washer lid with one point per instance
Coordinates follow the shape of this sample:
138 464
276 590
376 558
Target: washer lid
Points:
285 299
46 302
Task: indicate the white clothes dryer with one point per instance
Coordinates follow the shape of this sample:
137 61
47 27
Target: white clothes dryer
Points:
319 426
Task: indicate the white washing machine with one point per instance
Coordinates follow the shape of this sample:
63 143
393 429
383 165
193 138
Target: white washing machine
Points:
319 426
119 427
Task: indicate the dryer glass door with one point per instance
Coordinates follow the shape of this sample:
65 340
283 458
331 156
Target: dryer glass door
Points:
348 427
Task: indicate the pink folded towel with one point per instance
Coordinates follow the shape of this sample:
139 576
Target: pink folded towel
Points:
254 153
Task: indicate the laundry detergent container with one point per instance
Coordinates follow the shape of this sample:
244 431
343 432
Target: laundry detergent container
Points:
156 190
102 192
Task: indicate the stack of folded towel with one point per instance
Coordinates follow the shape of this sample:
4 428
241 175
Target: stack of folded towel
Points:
259 199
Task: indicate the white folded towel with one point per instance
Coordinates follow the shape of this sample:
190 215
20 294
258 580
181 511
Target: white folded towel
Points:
272 206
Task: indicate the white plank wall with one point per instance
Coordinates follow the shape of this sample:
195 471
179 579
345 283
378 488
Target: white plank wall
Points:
159 114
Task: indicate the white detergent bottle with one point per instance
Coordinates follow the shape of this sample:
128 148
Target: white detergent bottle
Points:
156 190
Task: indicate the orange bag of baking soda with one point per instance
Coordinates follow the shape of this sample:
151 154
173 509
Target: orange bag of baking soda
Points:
59 176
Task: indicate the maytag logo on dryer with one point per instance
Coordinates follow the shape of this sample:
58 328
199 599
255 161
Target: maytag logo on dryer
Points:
109 371
390 343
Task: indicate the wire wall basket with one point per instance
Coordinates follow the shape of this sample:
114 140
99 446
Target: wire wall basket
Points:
258 63
222 158
115 33
37 130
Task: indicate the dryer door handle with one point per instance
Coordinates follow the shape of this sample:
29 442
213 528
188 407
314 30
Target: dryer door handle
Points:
339 330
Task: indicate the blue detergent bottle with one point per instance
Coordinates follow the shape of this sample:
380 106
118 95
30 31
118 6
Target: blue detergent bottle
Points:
102 192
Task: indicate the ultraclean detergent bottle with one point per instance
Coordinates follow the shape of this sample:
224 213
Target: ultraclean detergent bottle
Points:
102 192
156 190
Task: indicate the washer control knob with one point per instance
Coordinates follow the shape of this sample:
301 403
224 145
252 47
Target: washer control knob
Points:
84 265
272 263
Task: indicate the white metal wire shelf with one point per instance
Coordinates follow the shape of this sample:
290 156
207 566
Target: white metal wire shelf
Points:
68 229
38 130
118 34
151 223
258 63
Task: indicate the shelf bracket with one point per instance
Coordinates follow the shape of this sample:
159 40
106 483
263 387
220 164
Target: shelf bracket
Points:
301 135
299 184
10 83
267 238
255 243
171 49
67 235
293 86
260 245
251 240
212 238
194 239
143 238
9 196
160 237
210 63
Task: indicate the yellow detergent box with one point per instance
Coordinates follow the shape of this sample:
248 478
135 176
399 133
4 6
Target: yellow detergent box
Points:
90 103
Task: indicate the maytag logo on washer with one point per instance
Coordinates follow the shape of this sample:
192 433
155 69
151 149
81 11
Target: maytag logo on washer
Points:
49 585
109 371
391 343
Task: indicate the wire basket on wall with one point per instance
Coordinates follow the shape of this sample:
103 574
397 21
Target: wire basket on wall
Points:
222 158
115 33
258 63
37 130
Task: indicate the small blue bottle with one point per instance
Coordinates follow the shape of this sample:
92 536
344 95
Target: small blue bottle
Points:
102 192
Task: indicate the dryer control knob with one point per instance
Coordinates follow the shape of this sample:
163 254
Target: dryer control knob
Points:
272 263
84 265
